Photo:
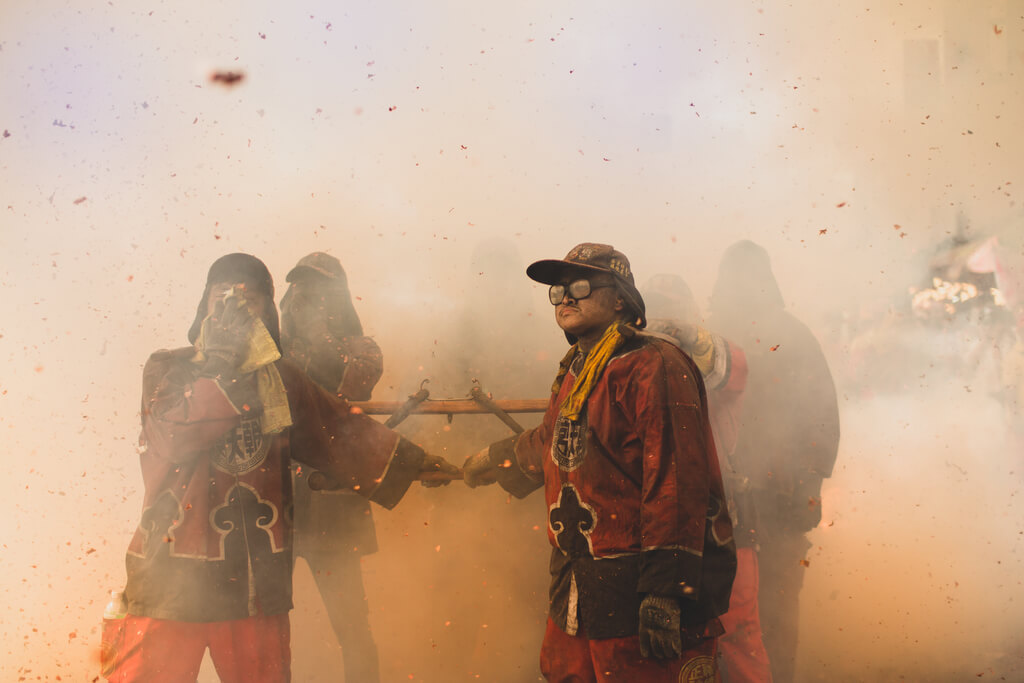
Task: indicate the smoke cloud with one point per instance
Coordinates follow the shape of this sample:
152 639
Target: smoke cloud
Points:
437 149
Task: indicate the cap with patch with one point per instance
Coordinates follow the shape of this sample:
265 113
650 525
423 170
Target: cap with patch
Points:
326 276
598 258
317 262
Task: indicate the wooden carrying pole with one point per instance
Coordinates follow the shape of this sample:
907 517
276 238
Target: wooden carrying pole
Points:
453 406
418 404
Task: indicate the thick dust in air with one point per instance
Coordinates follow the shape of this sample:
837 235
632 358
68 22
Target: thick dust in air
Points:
437 150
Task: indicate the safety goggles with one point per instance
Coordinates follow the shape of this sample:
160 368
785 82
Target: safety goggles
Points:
578 289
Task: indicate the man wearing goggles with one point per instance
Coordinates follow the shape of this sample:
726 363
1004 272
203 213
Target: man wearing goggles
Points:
577 289
642 551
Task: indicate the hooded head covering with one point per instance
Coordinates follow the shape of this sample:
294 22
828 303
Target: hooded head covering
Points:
668 296
597 258
746 288
239 268
326 270
745 301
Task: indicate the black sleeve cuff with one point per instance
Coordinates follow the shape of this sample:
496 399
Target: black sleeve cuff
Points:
670 572
511 477
403 469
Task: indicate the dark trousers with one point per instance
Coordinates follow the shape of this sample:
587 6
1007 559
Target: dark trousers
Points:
781 576
339 579
577 659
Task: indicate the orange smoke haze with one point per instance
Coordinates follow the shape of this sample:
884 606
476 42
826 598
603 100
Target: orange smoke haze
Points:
407 139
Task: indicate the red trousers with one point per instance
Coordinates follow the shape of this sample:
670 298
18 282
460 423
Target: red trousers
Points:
576 659
744 658
144 650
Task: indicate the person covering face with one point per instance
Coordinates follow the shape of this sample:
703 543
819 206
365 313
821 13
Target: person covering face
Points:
642 551
209 565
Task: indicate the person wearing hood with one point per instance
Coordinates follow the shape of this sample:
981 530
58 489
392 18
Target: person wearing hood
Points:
787 440
321 333
209 565
642 554
723 364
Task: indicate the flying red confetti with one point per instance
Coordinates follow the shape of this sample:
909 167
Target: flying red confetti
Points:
823 231
775 348
228 78
80 200
840 205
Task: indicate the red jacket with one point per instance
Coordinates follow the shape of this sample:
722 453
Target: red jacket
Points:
215 538
634 494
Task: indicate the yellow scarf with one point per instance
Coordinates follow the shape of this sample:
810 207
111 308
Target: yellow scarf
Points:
259 359
593 366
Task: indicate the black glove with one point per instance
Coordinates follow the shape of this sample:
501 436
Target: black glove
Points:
660 636
226 337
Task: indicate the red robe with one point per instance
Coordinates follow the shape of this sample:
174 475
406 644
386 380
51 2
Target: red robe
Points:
215 539
634 494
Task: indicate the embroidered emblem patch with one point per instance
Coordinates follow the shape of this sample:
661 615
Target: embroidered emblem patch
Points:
572 521
245 520
569 445
619 267
700 669
580 253
242 449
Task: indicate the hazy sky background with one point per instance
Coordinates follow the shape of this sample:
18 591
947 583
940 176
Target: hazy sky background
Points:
399 136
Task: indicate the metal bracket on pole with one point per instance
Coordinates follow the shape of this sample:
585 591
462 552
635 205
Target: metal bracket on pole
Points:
409 406
478 403
478 395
